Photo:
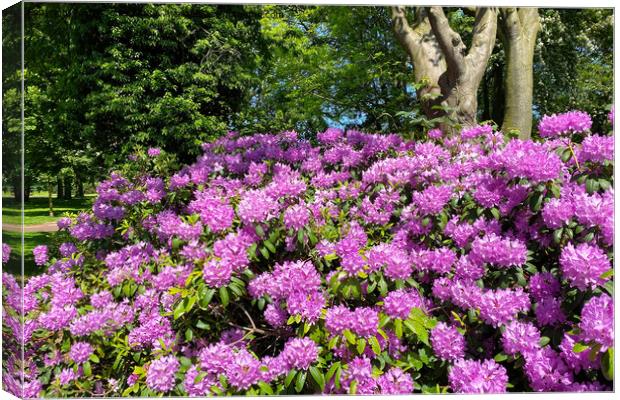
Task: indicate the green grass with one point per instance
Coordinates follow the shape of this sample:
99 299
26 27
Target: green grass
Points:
31 239
36 210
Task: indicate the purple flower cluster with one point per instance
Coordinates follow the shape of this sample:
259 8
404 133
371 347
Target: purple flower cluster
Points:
448 343
399 303
597 318
564 124
362 321
40 255
80 352
160 375
6 253
583 265
470 376
498 251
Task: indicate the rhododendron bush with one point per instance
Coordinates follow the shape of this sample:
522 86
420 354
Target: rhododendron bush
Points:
355 263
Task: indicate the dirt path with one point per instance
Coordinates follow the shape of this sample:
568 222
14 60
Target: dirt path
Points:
46 227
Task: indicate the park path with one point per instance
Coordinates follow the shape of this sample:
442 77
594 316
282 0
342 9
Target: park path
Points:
46 227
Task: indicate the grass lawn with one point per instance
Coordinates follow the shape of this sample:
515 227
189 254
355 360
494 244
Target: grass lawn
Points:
36 210
31 239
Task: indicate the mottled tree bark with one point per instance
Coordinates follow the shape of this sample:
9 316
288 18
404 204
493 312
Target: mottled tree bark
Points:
518 30
450 73
421 45
465 68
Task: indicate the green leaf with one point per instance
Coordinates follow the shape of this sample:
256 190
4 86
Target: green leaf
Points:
224 298
580 348
301 381
557 235
499 357
93 358
398 328
417 327
330 257
317 376
264 252
300 236
495 213
205 297
594 352
259 231
265 388
536 201
353 387
337 377
270 246
179 310
591 186
350 336
374 344
312 237
607 274
87 369
361 345
202 325
607 364
544 341
289 378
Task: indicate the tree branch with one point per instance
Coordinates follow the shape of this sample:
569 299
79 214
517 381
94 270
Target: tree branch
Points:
483 41
450 42
402 30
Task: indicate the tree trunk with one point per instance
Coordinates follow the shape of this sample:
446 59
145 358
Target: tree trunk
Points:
79 187
465 69
60 193
50 190
27 188
68 187
17 189
446 73
518 32
425 55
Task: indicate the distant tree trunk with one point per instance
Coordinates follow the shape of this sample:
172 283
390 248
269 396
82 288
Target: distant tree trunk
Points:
50 191
68 187
60 193
27 188
518 30
80 187
441 61
17 189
